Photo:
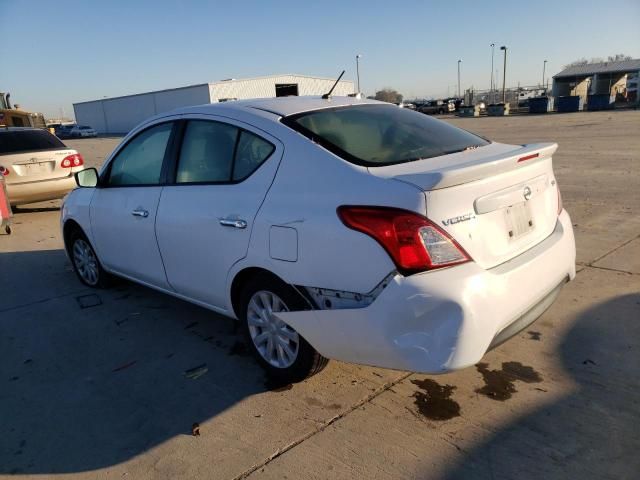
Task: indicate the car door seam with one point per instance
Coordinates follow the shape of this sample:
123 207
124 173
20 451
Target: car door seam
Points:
155 234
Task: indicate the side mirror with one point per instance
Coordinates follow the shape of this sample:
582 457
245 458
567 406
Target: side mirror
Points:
87 178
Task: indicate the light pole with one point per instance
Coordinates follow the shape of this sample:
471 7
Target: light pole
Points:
504 75
459 62
358 57
493 45
544 67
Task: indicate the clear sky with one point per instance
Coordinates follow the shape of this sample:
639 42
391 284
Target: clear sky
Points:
56 52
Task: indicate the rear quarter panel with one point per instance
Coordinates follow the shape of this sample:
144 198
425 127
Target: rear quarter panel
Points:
311 183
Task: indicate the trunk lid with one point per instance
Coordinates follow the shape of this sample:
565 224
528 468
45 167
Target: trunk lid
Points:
496 201
36 166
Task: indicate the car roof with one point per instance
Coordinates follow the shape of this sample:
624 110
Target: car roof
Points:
281 106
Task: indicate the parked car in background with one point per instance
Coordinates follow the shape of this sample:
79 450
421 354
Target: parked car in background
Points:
36 165
63 131
433 107
342 228
81 131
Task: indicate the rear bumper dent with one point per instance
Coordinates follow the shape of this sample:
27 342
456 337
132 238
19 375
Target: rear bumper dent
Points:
445 320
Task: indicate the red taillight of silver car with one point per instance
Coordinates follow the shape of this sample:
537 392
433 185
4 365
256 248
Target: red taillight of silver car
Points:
71 161
414 243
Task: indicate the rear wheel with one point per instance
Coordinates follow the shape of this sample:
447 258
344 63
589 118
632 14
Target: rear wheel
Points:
280 350
85 262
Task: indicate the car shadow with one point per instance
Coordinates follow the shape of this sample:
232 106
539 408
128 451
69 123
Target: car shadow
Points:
92 378
594 432
18 209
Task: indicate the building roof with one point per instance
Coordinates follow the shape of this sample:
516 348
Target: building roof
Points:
217 83
249 79
605 67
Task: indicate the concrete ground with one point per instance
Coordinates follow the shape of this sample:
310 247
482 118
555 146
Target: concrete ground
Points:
105 384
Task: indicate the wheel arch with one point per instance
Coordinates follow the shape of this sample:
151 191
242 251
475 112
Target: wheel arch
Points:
70 226
245 275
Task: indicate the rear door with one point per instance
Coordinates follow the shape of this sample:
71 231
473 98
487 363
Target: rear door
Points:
223 172
123 210
32 156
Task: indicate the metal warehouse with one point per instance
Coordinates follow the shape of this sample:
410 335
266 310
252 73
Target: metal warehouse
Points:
120 114
618 80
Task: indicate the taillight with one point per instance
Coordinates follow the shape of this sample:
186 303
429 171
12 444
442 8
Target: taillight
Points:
414 242
71 161
4 171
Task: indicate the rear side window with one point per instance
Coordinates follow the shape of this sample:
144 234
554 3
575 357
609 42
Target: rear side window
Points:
28 141
215 152
251 152
140 161
207 152
378 135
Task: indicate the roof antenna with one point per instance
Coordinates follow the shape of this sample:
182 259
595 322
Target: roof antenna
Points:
327 96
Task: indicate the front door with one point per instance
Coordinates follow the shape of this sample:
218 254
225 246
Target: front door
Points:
123 209
205 218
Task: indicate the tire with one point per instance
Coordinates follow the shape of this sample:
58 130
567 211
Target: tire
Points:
86 263
284 354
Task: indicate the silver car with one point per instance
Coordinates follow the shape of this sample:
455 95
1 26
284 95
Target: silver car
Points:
36 165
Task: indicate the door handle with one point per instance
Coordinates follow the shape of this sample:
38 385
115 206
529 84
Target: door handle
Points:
140 213
233 222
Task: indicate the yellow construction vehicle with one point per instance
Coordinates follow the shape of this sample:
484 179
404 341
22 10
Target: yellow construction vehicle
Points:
13 116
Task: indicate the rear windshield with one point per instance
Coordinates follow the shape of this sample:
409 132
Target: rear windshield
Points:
28 141
378 135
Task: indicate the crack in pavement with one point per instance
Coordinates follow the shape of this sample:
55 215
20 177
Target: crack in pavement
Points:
321 428
590 264
610 269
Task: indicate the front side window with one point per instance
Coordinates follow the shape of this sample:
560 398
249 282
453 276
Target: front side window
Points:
140 161
378 135
215 152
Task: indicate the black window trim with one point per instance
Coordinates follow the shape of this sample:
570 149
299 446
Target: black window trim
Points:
172 168
169 151
290 121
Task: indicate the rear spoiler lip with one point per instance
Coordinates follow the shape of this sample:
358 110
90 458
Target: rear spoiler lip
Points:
478 167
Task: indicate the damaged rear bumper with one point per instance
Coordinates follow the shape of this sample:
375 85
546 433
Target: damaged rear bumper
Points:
444 320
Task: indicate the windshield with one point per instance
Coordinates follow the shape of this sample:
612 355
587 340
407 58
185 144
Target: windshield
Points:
378 135
17 141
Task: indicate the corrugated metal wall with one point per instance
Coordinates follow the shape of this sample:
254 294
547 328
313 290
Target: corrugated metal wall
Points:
265 87
121 114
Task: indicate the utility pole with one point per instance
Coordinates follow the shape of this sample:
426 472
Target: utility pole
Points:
358 57
504 75
544 67
493 45
459 61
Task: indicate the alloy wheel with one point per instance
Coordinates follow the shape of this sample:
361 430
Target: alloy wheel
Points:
85 261
276 342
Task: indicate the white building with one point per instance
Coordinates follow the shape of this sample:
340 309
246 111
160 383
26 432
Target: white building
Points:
120 114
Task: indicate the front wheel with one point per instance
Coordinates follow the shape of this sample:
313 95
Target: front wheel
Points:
280 350
85 262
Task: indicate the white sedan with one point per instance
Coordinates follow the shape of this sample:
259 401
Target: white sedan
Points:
82 131
36 165
330 228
